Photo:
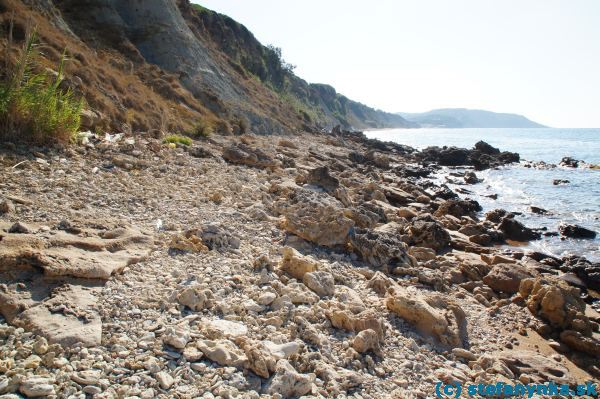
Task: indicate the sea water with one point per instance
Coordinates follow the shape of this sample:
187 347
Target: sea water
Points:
518 187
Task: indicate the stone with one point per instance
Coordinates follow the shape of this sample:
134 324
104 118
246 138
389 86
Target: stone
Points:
365 320
471 178
243 154
507 277
36 387
557 302
6 206
20 228
218 237
380 283
366 340
176 337
406 213
260 360
433 315
87 377
315 217
464 354
426 232
381 247
569 162
422 254
196 297
299 294
540 368
188 242
226 328
577 341
458 208
575 231
266 298
223 352
515 230
297 265
165 379
282 351
320 177
322 283
288 383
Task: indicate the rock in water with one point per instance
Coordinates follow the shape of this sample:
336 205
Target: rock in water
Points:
515 230
575 231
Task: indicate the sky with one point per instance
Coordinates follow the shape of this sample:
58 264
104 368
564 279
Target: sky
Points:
538 58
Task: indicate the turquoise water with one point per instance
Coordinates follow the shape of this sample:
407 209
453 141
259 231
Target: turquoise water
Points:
519 187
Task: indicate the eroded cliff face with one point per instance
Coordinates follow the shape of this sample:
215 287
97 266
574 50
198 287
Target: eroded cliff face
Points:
190 64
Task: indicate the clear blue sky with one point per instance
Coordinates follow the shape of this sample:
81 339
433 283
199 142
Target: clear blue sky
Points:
539 58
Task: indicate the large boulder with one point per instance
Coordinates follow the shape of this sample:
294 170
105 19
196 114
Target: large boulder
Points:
458 208
433 315
427 232
382 247
575 231
507 277
243 154
316 217
515 230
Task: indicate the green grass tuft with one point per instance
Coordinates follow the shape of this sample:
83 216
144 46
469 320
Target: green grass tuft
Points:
33 106
178 139
201 129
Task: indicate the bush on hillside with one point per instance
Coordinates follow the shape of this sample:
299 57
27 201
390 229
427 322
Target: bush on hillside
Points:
33 108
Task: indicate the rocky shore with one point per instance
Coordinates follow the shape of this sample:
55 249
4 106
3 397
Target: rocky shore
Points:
315 265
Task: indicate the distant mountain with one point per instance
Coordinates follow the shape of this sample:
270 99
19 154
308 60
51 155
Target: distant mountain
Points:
462 118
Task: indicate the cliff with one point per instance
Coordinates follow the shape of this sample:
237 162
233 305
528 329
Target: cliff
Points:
168 64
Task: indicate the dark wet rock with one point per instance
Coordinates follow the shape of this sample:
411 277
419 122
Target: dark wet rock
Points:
458 208
481 239
485 148
575 231
492 196
424 231
382 247
413 171
482 156
558 182
515 230
538 211
587 271
444 192
569 162
446 156
471 178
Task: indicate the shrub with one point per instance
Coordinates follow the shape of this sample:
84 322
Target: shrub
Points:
202 128
178 139
33 108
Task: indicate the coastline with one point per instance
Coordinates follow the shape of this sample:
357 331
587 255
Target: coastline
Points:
331 261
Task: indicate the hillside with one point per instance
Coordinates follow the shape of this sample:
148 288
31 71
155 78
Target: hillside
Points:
169 65
465 118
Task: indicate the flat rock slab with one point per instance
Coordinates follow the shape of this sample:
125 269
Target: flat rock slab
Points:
51 278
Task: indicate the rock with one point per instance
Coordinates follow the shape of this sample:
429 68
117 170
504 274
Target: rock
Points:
496 215
422 254
539 367
515 230
6 206
380 283
266 298
20 228
485 148
464 354
366 340
557 302
282 351
320 177
218 237
223 352
288 383
40 346
165 379
577 341
87 377
406 213
424 231
559 182
458 208
315 217
36 387
299 294
365 320
433 315
350 298
196 297
297 265
569 162
574 231
381 247
176 337
507 277
260 359
226 328
471 178
538 211
322 283
243 154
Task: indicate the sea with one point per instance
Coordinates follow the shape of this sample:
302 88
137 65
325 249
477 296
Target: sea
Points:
519 187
